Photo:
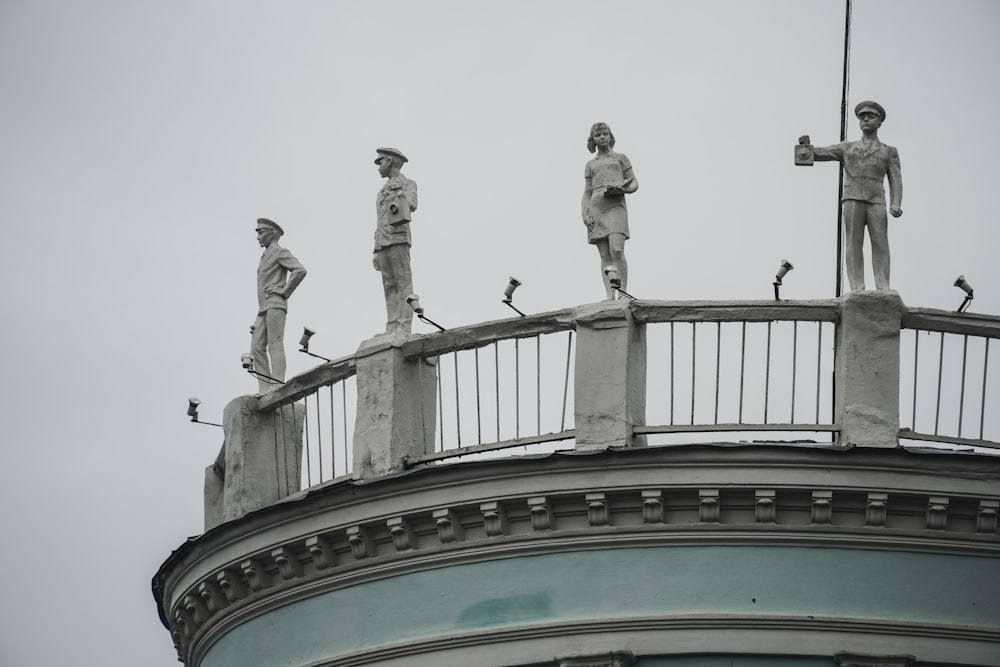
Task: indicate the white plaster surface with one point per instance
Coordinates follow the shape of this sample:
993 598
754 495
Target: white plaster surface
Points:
610 389
395 414
263 452
867 368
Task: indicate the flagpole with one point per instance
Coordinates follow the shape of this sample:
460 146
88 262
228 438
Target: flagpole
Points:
840 189
843 137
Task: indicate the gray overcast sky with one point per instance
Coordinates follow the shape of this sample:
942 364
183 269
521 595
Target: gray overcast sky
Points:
139 141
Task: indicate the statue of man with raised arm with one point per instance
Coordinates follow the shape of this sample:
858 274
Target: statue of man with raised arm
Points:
867 163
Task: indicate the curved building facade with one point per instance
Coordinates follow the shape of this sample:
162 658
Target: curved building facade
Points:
855 551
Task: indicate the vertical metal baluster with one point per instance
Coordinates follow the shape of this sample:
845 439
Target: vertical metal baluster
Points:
961 391
305 406
496 359
283 489
440 402
458 407
694 357
671 373
333 436
517 388
795 347
937 410
421 390
538 384
569 350
718 359
767 371
916 360
277 461
319 436
743 357
347 444
982 407
819 367
479 410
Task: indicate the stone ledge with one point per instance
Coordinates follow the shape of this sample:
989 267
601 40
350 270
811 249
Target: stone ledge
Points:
353 532
433 487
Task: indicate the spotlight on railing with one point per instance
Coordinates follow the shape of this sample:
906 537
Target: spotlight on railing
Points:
964 285
247 360
192 412
785 267
508 295
308 333
611 271
414 302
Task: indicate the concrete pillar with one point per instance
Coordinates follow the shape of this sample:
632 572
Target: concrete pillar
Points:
866 368
215 489
261 461
610 389
396 407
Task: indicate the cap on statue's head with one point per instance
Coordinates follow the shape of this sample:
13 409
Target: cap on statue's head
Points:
270 223
868 105
392 152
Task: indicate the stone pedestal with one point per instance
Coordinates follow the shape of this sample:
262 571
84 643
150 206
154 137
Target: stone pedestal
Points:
215 488
261 461
610 388
396 407
867 368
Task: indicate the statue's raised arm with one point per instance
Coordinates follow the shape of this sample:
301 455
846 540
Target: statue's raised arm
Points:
867 164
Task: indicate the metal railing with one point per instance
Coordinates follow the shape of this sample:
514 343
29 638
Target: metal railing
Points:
328 396
501 385
759 368
949 382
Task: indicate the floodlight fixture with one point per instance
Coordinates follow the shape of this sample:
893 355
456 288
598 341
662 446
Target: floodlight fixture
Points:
964 285
413 301
192 412
308 333
611 271
508 295
785 267
247 360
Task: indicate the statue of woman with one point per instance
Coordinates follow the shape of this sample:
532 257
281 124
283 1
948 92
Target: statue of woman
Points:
607 179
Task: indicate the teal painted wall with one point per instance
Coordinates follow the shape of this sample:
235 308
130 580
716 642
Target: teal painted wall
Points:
735 661
877 585
722 661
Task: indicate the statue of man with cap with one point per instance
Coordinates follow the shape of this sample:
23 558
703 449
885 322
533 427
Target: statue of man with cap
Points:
866 162
278 274
394 204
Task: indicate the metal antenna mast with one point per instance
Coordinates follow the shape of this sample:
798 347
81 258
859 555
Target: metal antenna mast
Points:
843 137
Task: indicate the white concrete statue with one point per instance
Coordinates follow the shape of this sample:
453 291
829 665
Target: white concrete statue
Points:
607 179
278 274
394 205
867 163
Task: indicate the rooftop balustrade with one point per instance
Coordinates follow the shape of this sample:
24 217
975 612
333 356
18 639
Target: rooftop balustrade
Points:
622 374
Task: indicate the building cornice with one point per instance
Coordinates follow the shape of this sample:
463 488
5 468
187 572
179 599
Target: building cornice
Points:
349 532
